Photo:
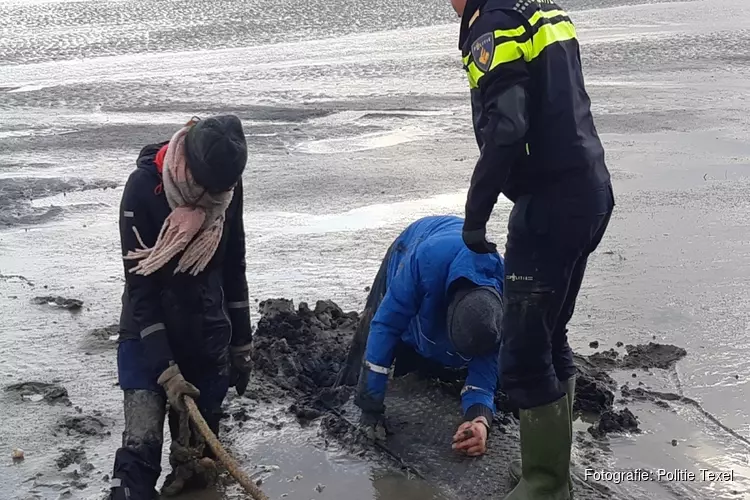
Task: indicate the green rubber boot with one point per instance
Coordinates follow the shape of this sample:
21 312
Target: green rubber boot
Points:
515 468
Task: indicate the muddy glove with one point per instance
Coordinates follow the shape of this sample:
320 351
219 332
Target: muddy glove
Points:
241 367
476 241
370 397
373 426
176 387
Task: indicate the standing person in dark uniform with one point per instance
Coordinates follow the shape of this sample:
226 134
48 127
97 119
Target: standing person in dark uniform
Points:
539 147
185 323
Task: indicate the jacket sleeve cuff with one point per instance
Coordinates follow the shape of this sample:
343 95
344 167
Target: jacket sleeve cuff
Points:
473 227
373 381
478 410
156 345
239 316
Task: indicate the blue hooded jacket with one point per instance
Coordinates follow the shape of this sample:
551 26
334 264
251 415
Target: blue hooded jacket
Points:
427 258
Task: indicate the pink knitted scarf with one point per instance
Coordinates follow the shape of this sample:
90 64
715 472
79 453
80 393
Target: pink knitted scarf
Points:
195 225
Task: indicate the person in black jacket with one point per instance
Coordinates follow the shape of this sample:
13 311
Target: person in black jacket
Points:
539 146
185 324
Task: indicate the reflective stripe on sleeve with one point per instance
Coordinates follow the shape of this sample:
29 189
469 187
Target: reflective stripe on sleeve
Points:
377 369
547 28
547 35
468 388
152 329
238 305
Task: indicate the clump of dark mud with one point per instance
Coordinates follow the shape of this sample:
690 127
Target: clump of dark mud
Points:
344 433
105 334
16 195
40 391
653 355
302 351
593 386
61 302
101 339
309 408
85 425
16 278
606 359
614 422
69 456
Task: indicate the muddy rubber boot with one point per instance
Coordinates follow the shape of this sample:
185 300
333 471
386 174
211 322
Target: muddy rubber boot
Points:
569 386
515 471
545 453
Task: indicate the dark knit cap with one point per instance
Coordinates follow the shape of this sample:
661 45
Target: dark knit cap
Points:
474 318
216 152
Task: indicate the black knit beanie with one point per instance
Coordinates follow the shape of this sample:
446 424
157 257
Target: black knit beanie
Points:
474 319
216 152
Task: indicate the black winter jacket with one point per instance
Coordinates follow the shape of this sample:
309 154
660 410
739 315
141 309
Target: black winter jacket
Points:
180 317
531 112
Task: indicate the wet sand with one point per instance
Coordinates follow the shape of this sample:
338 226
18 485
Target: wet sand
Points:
354 134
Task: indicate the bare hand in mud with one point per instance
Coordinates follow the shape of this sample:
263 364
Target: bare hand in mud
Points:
471 438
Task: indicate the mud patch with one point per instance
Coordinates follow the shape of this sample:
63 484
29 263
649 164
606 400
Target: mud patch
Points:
16 278
59 302
85 425
106 334
594 387
309 408
606 359
653 355
55 488
17 193
302 352
299 353
614 422
69 456
40 391
101 339
349 437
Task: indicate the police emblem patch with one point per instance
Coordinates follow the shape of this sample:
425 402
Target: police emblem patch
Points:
482 51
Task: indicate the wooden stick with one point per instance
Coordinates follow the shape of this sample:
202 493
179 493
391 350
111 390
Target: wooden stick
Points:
224 457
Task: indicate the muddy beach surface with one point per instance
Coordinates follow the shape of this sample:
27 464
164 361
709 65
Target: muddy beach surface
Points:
357 126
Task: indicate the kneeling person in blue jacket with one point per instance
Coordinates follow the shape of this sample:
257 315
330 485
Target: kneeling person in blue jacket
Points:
434 302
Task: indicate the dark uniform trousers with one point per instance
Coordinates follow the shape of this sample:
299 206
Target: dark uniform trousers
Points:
550 237
199 332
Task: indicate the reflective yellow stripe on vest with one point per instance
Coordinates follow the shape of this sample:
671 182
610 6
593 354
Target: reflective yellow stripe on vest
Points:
540 14
512 50
504 53
549 34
